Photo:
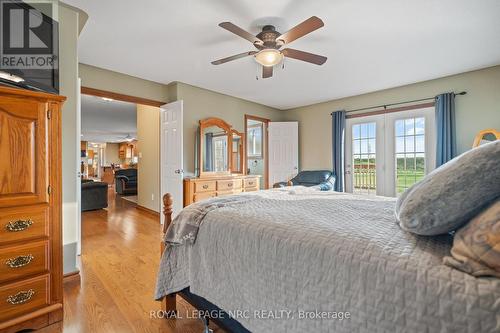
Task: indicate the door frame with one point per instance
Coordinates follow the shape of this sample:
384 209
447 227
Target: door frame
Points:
385 145
83 90
265 121
120 97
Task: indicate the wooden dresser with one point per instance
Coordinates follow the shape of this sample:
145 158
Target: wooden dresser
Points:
196 189
31 294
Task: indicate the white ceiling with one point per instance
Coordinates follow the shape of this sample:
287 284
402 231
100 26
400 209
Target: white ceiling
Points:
370 45
107 121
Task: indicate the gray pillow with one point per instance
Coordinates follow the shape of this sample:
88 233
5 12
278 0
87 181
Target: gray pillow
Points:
452 194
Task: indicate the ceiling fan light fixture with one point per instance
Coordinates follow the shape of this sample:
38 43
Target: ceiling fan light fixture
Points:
269 57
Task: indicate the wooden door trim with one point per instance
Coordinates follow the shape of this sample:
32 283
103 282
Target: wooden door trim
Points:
265 121
120 97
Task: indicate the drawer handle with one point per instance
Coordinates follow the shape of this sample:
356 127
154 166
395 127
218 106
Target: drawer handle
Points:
18 225
19 261
250 183
205 186
229 184
21 297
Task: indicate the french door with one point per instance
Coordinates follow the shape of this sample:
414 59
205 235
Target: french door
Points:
386 154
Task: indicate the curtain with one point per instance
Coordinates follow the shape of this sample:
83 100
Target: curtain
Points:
445 128
209 160
338 136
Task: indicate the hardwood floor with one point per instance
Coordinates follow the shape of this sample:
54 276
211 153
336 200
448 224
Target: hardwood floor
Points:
120 256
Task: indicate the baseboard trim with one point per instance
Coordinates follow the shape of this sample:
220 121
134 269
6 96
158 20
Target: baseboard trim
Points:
147 210
72 276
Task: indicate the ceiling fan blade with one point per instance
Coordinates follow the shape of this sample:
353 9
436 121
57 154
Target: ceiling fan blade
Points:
240 32
302 29
234 57
304 56
267 71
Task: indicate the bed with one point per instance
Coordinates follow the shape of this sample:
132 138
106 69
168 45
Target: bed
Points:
301 260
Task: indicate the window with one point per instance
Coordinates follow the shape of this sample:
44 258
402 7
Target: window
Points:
388 153
410 152
254 141
363 153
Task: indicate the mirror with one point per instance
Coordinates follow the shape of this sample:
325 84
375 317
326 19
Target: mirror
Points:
238 152
216 147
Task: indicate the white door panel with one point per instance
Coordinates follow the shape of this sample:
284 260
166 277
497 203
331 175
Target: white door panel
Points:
171 169
376 185
283 151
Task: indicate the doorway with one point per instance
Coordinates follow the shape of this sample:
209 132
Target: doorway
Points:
257 152
112 145
388 153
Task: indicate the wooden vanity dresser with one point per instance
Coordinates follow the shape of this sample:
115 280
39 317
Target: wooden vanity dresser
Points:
221 163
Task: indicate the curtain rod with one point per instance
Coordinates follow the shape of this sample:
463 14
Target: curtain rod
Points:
399 103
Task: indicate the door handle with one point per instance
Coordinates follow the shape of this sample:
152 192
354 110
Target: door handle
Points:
179 171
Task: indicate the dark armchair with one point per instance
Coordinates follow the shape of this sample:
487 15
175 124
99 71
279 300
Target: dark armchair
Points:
94 195
323 178
126 181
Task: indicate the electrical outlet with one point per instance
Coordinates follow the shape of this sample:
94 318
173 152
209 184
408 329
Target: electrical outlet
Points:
152 197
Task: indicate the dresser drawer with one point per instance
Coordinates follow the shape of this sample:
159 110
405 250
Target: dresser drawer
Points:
231 192
251 189
22 223
22 260
203 196
226 185
24 296
204 186
251 182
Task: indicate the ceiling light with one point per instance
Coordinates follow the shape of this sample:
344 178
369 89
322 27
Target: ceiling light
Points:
269 57
10 77
129 138
107 99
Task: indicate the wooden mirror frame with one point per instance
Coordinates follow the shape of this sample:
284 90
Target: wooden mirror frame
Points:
227 128
479 137
242 152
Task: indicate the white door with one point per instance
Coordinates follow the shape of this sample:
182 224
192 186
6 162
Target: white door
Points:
171 141
283 151
386 154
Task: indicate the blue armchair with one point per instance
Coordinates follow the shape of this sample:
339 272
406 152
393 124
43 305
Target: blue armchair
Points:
323 178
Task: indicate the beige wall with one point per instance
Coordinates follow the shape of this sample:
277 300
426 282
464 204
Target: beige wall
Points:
477 110
99 78
201 103
148 137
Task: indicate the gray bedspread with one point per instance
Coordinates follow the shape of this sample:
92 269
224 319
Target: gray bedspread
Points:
299 251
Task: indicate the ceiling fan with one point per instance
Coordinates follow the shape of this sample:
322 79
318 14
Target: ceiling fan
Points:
269 43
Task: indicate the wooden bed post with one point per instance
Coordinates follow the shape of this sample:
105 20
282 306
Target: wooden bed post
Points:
168 304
